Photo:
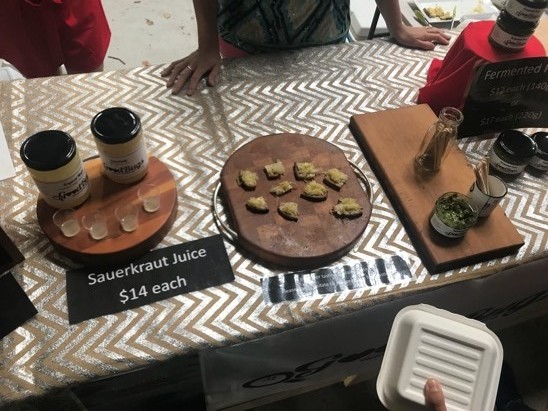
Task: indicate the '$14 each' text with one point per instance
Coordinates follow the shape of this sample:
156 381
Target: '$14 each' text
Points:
136 293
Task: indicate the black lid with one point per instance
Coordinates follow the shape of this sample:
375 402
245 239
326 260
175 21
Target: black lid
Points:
541 138
48 150
534 4
115 125
517 143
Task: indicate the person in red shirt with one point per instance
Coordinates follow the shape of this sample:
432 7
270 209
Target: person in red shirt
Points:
40 36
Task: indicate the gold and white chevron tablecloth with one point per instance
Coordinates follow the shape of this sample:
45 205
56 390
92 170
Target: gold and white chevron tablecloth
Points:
313 92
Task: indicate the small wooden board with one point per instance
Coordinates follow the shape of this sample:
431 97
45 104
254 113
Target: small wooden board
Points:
106 195
390 139
317 237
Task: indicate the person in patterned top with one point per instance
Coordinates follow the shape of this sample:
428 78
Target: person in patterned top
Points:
235 28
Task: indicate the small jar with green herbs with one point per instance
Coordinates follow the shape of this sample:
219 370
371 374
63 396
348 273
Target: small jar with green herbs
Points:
453 215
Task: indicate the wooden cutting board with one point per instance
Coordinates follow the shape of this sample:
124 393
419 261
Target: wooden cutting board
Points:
390 139
106 195
317 237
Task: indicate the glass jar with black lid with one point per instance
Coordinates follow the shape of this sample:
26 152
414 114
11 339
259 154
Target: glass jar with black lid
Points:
511 152
119 138
516 23
540 161
526 10
52 159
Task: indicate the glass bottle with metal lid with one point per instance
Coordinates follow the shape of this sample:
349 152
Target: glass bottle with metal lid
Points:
119 139
53 161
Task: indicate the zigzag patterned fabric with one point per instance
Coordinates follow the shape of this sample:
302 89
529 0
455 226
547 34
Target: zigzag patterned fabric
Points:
257 26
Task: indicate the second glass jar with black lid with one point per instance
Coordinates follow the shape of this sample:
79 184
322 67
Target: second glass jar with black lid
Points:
540 161
511 152
119 139
516 23
526 10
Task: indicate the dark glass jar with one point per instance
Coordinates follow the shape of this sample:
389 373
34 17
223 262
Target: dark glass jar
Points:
540 161
512 151
510 34
526 10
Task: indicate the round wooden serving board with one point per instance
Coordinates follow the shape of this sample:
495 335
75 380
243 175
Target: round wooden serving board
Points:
318 237
106 195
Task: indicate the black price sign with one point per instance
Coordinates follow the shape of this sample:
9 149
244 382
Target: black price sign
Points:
155 276
506 95
15 306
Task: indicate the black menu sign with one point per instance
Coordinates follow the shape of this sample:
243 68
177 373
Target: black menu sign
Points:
15 306
10 256
506 95
155 276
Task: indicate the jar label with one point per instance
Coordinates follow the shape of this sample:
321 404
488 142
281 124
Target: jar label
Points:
539 163
126 168
522 12
444 229
507 40
504 166
68 192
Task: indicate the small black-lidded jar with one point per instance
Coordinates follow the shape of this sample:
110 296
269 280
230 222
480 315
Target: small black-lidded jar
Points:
526 10
119 139
510 34
53 161
511 152
540 161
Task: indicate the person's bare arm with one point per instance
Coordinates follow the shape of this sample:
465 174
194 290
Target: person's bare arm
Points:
204 61
417 37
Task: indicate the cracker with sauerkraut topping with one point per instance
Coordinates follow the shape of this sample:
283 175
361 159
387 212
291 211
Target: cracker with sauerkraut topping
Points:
438 12
257 205
289 210
247 179
335 178
314 191
347 207
305 171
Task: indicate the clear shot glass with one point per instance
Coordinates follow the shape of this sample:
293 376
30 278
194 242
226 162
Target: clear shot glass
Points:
128 217
149 194
96 224
67 222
